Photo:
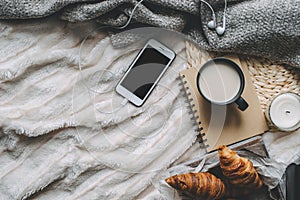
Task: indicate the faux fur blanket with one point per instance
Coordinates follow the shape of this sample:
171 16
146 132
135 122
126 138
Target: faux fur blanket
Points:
269 28
57 142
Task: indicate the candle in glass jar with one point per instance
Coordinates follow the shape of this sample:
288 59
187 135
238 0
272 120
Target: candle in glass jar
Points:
284 112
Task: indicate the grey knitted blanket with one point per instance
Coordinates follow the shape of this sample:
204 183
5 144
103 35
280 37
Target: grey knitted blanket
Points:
268 28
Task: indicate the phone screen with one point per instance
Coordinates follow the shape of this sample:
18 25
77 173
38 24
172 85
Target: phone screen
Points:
145 71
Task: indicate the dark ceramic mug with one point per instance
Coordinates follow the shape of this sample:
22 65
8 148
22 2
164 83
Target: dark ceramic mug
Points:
221 81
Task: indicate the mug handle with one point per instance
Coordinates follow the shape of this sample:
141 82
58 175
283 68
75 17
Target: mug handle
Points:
242 104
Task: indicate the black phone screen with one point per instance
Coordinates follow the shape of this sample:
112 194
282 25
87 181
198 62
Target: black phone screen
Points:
145 72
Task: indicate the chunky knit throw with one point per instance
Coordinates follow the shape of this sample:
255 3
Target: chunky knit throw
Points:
268 28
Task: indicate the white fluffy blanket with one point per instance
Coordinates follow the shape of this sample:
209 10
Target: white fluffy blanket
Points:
56 140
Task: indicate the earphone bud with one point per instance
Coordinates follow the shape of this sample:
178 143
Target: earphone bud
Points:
220 30
211 24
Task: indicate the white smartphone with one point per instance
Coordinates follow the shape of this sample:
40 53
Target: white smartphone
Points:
145 71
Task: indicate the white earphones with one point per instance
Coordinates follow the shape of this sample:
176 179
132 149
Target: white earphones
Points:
213 23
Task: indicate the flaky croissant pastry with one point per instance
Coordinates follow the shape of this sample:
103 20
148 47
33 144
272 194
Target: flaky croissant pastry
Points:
238 170
202 185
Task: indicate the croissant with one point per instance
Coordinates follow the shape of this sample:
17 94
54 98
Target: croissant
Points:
202 185
238 170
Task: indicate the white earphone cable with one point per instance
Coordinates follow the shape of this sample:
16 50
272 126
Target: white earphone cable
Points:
102 27
212 11
124 102
224 14
131 16
210 7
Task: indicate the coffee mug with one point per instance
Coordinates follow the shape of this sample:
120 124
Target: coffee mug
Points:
221 82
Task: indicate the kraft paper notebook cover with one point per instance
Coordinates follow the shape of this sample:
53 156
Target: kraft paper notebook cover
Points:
224 125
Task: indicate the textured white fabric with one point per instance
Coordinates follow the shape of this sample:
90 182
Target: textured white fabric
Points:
55 144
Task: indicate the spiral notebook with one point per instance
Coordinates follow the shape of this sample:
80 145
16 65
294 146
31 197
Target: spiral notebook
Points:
224 125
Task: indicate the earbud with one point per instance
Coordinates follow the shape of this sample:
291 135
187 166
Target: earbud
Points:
211 24
220 30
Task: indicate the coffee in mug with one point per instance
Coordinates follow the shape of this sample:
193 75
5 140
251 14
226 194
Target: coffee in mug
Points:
221 81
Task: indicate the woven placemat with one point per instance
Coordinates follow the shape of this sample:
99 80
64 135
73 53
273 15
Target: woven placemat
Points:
269 79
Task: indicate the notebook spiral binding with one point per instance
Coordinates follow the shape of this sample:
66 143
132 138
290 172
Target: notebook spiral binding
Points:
193 112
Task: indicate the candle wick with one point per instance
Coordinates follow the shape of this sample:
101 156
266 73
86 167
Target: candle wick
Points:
287 112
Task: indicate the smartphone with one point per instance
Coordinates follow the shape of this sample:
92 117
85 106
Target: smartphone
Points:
145 71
